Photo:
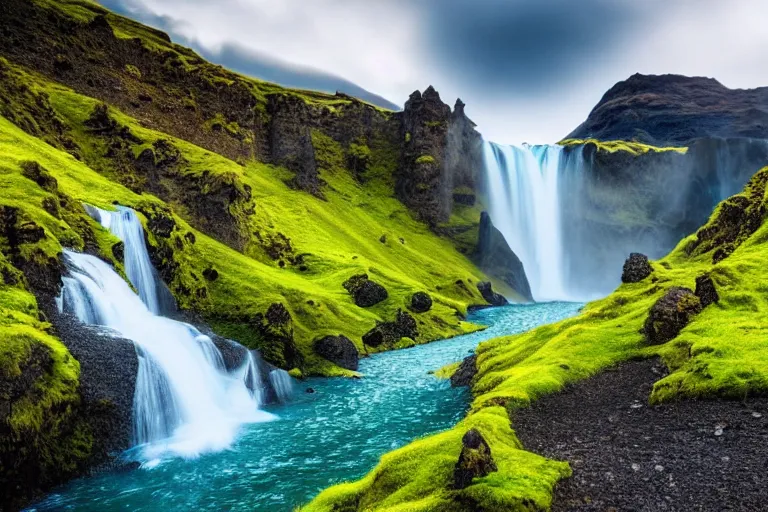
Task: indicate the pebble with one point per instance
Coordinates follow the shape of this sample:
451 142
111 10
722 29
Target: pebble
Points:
636 467
659 468
718 430
757 415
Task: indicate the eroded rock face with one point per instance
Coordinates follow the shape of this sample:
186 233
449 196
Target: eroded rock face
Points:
490 296
404 326
339 350
421 302
465 373
636 268
475 460
365 292
706 291
670 314
494 257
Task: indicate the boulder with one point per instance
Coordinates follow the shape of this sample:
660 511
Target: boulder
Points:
670 314
365 292
465 372
491 297
636 268
706 291
421 302
339 350
404 326
475 460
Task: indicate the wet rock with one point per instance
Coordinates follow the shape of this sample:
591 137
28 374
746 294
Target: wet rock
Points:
404 326
706 291
421 302
494 257
475 460
275 327
339 350
118 251
636 268
310 390
491 297
670 314
211 274
465 373
365 292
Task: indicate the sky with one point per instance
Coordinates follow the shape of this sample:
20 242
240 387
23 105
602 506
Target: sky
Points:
528 70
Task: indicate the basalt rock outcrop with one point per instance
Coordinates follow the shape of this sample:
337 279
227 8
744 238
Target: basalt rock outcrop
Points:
496 258
636 268
474 461
706 291
465 372
404 326
491 297
670 314
365 292
339 350
421 302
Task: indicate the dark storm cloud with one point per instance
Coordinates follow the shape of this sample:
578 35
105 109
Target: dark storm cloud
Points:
251 63
524 47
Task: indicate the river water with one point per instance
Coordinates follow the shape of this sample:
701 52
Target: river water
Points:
332 435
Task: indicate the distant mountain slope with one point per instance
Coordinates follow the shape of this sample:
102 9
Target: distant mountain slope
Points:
241 59
672 110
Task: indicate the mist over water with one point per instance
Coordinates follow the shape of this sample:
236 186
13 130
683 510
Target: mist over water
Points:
573 214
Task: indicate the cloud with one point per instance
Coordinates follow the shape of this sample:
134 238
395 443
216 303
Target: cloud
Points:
529 70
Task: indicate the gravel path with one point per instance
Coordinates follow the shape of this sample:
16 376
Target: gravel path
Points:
626 455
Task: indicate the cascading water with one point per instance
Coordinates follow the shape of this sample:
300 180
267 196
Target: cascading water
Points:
525 206
185 402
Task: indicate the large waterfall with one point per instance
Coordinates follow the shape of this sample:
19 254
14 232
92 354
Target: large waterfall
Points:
525 206
186 402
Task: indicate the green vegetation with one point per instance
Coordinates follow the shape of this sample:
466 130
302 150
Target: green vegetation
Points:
612 146
425 160
721 353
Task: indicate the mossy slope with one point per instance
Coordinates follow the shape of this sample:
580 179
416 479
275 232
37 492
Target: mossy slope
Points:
721 353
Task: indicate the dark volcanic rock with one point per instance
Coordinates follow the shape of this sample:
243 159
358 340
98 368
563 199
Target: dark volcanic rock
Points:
494 256
365 292
636 268
404 326
706 291
475 460
339 350
421 302
491 297
670 314
673 110
465 372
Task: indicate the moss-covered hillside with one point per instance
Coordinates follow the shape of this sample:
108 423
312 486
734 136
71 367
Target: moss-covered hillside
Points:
720 353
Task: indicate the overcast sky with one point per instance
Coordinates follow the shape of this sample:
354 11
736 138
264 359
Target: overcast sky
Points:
528 70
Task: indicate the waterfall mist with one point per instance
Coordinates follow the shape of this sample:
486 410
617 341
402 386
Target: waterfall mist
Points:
186 402
573 214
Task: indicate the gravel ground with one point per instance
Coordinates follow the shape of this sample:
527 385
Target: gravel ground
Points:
627 455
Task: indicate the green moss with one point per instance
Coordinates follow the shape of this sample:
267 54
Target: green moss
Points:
612 146
721 353
447 371
425 160
133 71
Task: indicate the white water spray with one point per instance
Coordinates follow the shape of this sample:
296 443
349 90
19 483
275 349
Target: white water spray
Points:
185 403
525 207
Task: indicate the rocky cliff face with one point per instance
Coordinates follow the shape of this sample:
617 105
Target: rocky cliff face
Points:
495 257
673 110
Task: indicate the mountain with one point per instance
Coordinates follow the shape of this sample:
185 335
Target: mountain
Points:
250 63
673 110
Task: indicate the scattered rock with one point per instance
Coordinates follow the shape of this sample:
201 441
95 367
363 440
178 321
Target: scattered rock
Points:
670 314
706 291
404 326
211 274
310 390
421 302
475 460
465 373
339 350
491 297
383 239
365 292
636 268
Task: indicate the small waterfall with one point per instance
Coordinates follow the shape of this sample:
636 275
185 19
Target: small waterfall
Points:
525 206
282 383
185 403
